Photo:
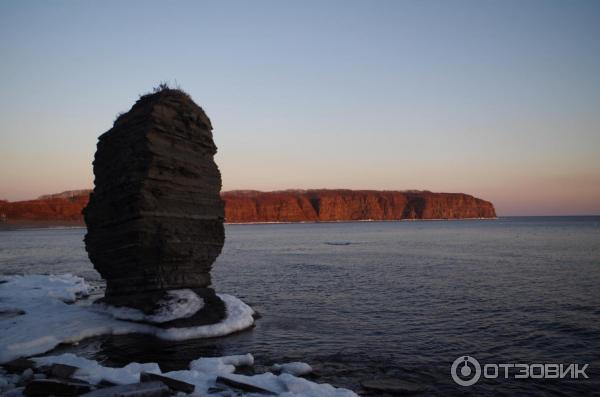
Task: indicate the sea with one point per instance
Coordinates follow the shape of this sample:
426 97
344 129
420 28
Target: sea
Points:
403 300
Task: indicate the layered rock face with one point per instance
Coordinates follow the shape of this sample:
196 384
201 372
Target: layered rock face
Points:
349 205
155 216
45 209
296 206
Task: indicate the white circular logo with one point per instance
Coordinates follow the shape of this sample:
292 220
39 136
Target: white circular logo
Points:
463 374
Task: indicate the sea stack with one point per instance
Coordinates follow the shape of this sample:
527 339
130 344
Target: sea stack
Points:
155 216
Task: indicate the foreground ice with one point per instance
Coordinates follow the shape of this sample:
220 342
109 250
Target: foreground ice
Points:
39 312
202 373
295 368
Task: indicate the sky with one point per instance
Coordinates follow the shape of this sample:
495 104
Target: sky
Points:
498 99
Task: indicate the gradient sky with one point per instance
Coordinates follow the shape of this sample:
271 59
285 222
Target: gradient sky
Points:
499 99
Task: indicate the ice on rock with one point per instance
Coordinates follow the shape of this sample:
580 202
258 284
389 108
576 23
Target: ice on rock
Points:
49 321
202 374
181 303
92 372
239 317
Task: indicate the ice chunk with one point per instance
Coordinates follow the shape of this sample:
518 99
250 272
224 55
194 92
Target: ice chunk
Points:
294 368
245 384
301 387
220 365
92 372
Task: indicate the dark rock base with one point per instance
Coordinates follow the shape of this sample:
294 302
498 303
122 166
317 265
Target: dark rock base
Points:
214 310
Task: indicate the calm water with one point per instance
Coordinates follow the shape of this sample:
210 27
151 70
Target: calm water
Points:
384 299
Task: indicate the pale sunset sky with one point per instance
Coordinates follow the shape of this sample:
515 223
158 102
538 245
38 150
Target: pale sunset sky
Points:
498 99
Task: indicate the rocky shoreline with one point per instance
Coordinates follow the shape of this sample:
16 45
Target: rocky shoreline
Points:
71 375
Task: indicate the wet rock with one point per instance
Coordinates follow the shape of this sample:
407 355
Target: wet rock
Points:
106 383
236 384
10 313
147 389
392 386
173 384
155 216
16 392
61 370
18 365
55 387
216 390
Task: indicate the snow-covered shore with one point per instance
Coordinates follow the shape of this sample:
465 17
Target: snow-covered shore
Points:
39 312
47 311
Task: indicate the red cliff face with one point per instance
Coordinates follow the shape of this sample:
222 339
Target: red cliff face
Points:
349 205
285 206
51 208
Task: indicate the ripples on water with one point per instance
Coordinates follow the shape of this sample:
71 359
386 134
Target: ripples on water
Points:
383 299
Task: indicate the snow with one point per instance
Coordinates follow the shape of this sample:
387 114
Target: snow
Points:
224 364
202 374
66 287
49 320
294 368
54 313
181 303
239 317
92 372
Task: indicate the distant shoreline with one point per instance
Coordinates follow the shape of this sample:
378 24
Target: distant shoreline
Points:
79 225
48 225
289 206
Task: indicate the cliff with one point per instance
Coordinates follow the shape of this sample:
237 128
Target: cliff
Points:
351 205
52 208
286 206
